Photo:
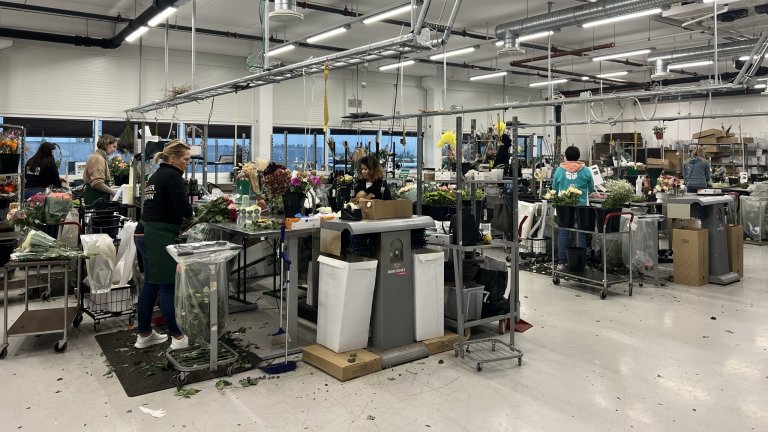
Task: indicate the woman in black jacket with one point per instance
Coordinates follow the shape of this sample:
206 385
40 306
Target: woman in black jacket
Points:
41 171
165 207
371 179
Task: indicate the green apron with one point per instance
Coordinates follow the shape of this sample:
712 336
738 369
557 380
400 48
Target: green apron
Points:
91 195
162 266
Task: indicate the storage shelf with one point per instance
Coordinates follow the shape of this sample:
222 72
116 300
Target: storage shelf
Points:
42 321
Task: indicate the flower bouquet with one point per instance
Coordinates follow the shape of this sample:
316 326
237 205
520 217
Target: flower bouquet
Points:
667 183
39 246
9 141
568 197
30 213
219 210
118 168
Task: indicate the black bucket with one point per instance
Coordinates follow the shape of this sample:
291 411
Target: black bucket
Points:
6 248
614 223
577 258
566 216
585 217
105 224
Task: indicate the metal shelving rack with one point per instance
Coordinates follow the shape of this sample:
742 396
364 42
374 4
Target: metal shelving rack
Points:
22 162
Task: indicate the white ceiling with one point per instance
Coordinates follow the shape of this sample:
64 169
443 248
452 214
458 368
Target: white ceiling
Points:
476 16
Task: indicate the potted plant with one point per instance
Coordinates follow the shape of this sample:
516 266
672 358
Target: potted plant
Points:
118 168
9 151
619 193
658 130
566 202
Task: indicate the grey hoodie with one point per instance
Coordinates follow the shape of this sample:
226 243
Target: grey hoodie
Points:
696 173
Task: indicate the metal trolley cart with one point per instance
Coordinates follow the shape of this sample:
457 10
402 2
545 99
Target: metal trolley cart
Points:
202 291
41 321
591 277
117 302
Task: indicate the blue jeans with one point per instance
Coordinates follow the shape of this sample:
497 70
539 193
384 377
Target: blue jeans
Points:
31 191
149 295
564 240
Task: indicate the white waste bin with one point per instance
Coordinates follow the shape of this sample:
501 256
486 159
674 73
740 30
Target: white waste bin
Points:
345 300
428 291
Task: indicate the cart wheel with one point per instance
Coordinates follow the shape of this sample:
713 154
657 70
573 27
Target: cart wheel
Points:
230 369
45 296
467 333
95 326
77 320
479 367
3 353
603 295
556 280
130 319
60 347
181 378
493 346
640 284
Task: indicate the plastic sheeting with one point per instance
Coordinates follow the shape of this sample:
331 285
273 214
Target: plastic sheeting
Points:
753 217
201 280
101 263
644 254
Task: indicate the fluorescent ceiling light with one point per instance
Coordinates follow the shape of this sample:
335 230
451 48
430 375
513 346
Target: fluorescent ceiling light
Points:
759 86
690 64
544 83
585 78
745 58
136 34
355 60
339 64
499 43
157 19
721 1
535 36
612 74
762 79
453 53
622 55
326 35
396 65
282 49
487 76
622 17
387 14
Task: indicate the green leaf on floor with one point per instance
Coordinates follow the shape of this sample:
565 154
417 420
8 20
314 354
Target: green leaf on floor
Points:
222 384
185 393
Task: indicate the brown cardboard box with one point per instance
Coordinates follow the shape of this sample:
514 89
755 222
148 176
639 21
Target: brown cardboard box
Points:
707 140
675 161
390 209
709 132
442 343
330 242
716 149
735 235
691 255
748 140
338 365
657 163
727 140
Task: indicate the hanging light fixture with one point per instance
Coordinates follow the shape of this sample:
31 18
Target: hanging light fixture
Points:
453 53
545 83
285 10
488 76
328 34
396 65
388 14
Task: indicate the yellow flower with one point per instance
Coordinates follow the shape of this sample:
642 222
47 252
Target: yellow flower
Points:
448 137
501 127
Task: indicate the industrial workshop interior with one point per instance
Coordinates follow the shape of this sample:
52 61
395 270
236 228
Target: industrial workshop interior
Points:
332 215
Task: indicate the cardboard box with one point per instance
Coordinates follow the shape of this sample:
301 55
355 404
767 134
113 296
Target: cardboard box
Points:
735 235
675 161
390 209
657 163
691 255
338 365
442 343
330 242
727 140
709 133
748 140
303 222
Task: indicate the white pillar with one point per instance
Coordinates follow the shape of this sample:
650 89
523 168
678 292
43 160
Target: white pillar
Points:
263 120
433 126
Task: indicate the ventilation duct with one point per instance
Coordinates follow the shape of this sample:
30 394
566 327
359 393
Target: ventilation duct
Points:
578 15
660 71
511 45
732 48
285 10
733 15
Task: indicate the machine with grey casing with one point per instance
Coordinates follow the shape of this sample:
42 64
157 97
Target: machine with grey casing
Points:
392 318
712 214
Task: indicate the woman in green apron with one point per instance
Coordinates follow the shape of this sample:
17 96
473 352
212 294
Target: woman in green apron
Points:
165 208
96 173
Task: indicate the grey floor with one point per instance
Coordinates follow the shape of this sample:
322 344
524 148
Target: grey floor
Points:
670 358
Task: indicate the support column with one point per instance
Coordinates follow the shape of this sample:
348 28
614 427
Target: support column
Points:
262 122
433 126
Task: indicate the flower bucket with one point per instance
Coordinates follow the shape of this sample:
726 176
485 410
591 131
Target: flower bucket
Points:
662 197
566 216
585 217
577 259
9 163
614 223
293 203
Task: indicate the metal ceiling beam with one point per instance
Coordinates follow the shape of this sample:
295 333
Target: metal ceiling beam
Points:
654 119
574 52
569 73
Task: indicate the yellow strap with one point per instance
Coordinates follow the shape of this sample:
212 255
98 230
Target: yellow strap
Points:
326 70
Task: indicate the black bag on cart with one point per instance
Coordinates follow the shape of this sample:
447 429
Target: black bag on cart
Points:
470 233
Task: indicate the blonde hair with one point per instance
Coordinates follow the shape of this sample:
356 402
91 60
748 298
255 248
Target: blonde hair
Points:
175 148
104 141
698 151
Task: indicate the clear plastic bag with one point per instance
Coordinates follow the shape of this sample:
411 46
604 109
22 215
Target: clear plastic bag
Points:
200 233
58 203
644 256
126 255
101 262
69 233
202 278
753 217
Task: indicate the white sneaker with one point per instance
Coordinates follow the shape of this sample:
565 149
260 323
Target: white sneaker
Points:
179 343
560 267
154 338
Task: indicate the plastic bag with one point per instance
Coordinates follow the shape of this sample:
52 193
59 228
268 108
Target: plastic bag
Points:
126 255
58 203
101 263
200 233
69 233
201 278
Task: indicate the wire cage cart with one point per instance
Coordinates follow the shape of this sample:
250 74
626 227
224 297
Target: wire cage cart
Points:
101 217
117 302
41 321
601 279
202 306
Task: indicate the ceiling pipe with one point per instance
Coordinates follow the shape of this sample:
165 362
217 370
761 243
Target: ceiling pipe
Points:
577 15
574 52
569 73
731 48
61 12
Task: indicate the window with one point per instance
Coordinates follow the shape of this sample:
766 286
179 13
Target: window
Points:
74 138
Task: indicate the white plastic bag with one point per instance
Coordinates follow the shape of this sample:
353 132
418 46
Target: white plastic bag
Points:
69 233
126 255
101 263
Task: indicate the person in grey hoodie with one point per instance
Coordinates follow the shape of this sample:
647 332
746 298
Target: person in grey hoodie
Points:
696 171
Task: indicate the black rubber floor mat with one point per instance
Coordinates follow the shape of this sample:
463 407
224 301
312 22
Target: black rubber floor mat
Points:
142 371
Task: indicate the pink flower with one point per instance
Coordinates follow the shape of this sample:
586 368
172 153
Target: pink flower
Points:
295 181
36 199
315 180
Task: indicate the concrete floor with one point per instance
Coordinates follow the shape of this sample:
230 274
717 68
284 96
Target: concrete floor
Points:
670 358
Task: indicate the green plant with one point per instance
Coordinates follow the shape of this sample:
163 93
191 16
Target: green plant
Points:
659 128
479 194
619 192
440 197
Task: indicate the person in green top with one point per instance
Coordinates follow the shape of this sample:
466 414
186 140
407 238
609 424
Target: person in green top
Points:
165 208
574 173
